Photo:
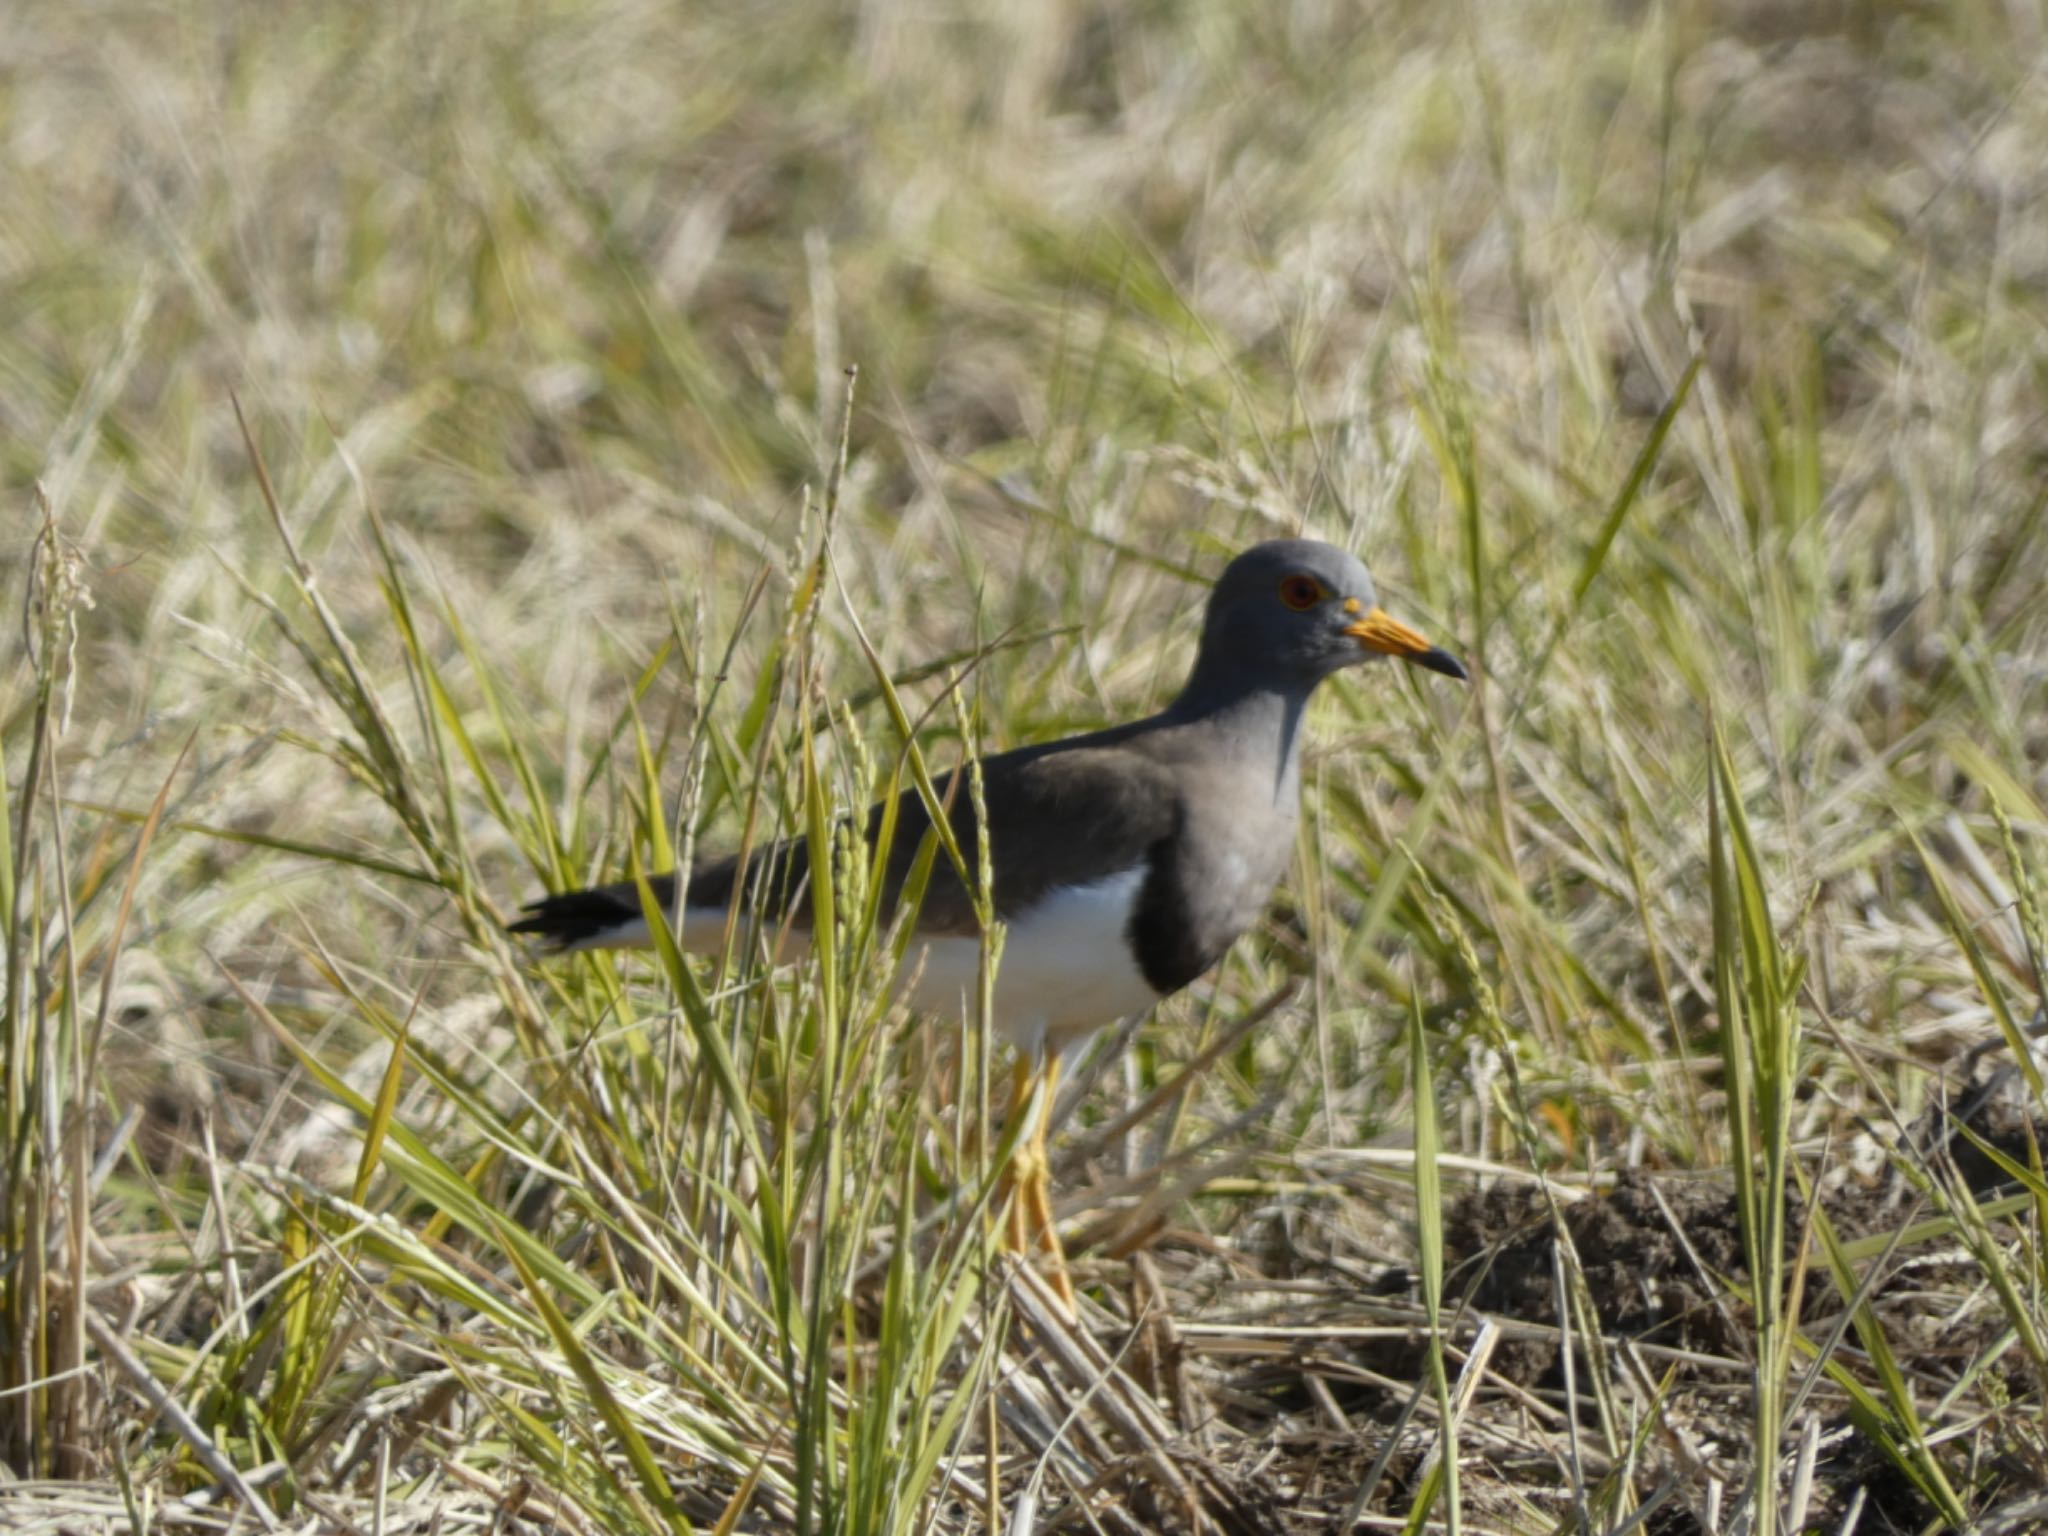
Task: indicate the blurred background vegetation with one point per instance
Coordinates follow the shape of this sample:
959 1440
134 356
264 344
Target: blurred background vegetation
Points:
1681 365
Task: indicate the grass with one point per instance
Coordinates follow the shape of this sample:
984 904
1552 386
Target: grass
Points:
437 481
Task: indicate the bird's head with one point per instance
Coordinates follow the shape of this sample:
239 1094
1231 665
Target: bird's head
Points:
1297 610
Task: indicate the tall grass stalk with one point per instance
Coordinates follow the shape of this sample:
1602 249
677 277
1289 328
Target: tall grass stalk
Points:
50 1043
1755 991
1441 1484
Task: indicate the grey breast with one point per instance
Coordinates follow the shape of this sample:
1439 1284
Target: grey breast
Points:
1236 805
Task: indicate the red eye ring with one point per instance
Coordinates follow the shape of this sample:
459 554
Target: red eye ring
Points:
1301 592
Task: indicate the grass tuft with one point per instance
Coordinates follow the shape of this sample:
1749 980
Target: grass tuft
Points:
439 481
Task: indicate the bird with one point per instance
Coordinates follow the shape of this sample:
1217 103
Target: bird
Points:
1126 860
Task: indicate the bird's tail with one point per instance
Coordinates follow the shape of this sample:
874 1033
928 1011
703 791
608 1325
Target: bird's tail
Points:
604 917
610 916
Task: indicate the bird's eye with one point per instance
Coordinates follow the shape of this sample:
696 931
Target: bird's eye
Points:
1301 593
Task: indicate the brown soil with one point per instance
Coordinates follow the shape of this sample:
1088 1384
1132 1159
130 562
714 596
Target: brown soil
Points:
1289 1422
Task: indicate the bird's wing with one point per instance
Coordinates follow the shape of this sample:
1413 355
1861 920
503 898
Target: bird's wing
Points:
1063 815
1057 818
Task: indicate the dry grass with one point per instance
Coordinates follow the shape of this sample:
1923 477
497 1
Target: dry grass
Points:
1682 365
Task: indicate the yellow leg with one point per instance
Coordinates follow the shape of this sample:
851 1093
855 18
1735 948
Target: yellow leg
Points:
1039 1191
1017 1229
1028 1179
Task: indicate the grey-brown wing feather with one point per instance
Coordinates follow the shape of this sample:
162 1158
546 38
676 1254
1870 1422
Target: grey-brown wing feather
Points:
1056 819
1066 814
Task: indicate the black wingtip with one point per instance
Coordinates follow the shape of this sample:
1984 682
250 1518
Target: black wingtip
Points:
1437 659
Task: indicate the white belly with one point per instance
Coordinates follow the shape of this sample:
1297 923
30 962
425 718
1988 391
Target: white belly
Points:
1066 967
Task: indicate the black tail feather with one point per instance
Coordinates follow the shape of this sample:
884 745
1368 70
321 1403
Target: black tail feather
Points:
570 917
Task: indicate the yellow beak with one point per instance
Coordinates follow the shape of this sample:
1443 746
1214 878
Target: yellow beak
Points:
1380 631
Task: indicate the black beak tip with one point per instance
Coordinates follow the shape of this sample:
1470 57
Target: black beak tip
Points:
1437 659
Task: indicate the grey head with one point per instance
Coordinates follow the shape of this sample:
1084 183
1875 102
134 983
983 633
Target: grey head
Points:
1289 613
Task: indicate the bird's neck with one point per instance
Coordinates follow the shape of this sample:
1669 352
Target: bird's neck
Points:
1255 723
